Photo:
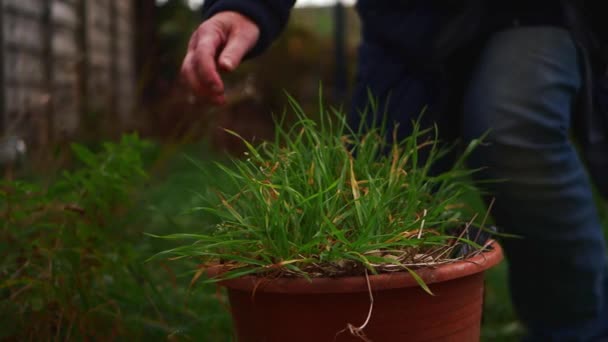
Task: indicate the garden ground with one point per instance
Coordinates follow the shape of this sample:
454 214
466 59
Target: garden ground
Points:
113 291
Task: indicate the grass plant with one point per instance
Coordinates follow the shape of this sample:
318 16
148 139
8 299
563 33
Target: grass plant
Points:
326 200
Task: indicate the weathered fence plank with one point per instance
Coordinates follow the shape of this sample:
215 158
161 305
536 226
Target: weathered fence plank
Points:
61 58
23 75
66 55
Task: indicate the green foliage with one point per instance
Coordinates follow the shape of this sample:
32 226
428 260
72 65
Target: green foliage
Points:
323 200
73 270
57 247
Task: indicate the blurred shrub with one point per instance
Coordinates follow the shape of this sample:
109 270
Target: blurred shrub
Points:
59 248
72 253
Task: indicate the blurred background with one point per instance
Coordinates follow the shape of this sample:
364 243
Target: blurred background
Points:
97 142
89 70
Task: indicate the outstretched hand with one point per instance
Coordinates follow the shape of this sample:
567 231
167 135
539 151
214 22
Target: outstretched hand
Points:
219 44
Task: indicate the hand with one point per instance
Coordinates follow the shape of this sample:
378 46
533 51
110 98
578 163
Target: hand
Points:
219 44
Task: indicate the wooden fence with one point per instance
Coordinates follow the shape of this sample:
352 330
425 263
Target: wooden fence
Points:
63 61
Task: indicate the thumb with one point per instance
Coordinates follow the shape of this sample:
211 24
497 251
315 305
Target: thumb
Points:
238 44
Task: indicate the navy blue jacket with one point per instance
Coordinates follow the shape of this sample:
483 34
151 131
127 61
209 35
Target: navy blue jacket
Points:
270 16
411 41
407 26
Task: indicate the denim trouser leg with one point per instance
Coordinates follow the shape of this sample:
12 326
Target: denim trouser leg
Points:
524 90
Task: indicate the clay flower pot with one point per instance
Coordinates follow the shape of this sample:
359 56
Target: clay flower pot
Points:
295 309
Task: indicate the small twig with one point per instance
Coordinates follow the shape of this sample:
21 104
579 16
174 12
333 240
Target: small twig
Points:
453 245
20 270
358 331
422 224
59 324
68 336
401 266
483 222
20 291
484 248
371 302
74 208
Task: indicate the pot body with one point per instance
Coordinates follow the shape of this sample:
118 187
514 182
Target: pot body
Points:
296 310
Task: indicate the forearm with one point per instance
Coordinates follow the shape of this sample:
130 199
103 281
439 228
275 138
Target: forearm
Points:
269 15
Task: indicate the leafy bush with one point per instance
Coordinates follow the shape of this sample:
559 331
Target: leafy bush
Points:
59 249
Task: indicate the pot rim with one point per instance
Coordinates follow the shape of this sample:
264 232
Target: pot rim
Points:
385 281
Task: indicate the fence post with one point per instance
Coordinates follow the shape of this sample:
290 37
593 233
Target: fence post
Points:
3 119
83 61
48 62
115 60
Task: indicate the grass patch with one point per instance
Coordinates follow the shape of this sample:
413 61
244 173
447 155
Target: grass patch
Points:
326 200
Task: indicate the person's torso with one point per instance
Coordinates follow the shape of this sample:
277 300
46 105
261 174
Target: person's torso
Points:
411 27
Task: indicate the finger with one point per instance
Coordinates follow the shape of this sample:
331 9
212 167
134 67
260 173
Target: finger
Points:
218 99
214 93
194 40
204 61
188 73
239 43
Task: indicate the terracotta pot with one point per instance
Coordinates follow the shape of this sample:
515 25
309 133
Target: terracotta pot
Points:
294 310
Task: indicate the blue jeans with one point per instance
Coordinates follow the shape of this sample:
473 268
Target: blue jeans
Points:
523 90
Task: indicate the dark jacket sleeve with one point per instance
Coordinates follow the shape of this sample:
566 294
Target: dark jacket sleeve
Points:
270 16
